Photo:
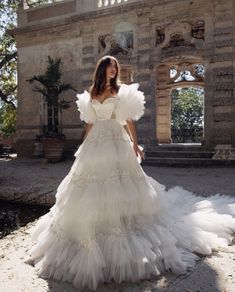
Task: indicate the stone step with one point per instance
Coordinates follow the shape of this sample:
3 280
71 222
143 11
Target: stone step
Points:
178 147
185 162
179 154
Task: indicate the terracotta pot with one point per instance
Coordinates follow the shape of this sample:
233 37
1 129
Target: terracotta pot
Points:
53 149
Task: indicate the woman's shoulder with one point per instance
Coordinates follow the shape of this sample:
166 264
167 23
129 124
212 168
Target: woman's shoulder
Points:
131 85
128 88
84 95
131 105
87 113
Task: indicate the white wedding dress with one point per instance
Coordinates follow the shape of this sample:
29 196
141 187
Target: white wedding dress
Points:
111 221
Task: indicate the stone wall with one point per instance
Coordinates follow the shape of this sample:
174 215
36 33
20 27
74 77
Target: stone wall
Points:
220 106
157 34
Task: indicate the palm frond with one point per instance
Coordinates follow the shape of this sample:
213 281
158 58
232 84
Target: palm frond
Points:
43 91
51 86
41 79
64 87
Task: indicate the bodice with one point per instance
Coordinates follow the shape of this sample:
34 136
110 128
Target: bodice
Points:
105 110
128 104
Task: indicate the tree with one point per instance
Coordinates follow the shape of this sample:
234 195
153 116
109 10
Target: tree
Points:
8 64
8 54
8 59
187 115
7 120
51 87
8 51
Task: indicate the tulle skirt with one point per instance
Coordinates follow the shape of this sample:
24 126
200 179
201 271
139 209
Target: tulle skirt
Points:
113 222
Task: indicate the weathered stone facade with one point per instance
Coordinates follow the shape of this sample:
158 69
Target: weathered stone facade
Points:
148 37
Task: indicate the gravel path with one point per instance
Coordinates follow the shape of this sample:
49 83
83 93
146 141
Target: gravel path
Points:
22 179
27 177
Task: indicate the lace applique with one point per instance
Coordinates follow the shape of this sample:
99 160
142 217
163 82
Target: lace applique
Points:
114 175
106 137
129 224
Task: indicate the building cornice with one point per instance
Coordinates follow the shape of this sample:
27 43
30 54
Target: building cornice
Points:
141 7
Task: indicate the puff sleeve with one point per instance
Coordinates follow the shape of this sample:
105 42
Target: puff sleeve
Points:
87 113
131 103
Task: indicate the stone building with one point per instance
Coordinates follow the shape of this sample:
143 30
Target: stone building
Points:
149 38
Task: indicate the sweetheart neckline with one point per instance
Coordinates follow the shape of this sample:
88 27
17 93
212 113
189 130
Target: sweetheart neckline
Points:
104 100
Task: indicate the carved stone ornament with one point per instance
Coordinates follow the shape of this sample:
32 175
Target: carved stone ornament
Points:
119 43
179 34
160 35
224 152
198 30
177 40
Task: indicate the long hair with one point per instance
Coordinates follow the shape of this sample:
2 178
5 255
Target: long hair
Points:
99 77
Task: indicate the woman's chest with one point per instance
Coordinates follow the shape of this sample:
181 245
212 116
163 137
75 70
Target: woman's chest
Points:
105 110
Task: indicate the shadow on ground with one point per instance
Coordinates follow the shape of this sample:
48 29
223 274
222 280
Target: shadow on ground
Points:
202 279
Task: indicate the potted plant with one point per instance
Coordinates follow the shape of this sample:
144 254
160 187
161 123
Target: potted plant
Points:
50 85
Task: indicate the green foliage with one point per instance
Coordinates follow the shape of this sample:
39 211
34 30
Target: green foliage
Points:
7 120
8 51
187 115
8 64
8 56
50 85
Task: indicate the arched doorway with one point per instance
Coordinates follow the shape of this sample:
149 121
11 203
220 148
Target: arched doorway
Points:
182 79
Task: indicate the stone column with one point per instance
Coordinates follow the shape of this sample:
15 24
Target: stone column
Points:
219 90
163 107
88 61
145 75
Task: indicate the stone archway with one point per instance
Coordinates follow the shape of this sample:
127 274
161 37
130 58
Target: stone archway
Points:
165 83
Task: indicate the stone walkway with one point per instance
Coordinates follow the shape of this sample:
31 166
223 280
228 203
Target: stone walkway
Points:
25 180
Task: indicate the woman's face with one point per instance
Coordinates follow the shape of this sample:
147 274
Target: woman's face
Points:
111 70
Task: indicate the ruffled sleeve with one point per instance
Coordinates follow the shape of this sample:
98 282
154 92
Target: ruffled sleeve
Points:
87 113
131 103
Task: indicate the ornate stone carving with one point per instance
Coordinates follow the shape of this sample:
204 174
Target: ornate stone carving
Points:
188 72
182 34
198 30
116 43
177 40
224 152
160 35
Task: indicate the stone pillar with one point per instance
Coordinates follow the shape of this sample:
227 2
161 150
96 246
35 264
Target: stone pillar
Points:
163 108
145 76
219 89
88 60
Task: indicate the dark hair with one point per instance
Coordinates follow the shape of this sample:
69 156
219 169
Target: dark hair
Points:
99 77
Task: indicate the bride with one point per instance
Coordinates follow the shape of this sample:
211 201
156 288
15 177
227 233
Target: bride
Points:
113 222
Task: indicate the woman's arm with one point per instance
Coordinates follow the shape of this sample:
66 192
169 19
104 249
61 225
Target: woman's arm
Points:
88 127
127 130
132 131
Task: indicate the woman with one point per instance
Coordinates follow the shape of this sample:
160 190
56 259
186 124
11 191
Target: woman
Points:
113 222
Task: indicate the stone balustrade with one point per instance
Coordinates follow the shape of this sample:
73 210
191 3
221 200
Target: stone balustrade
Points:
99 3
36 11
106 3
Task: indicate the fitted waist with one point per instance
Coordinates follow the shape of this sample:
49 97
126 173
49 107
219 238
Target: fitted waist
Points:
107 117
104 118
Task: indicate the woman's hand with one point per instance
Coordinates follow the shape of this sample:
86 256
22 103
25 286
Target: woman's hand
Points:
139 151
